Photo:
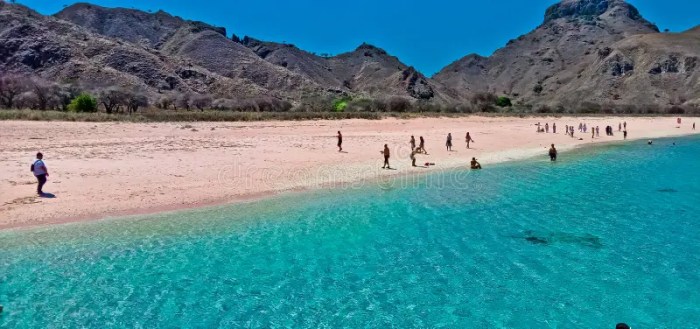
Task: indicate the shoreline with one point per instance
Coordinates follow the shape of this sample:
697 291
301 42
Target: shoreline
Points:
344 176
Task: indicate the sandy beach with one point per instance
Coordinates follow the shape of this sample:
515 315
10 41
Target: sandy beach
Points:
99 170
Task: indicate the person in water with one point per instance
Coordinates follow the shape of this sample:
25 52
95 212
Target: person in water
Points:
448 143
340 142
387 154
469 139
553 153
475 164
40 172
622 326
413 143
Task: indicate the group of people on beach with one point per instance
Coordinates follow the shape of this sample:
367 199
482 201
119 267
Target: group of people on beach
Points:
583 128
416 149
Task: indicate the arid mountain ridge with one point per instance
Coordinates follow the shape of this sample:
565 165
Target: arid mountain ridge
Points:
585 53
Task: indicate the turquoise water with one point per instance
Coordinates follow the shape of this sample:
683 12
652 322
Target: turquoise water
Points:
607 234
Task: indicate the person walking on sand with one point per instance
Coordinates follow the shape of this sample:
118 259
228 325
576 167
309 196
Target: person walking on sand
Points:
580 127
421 145
387 154
413 143
448 143
340 142
469 139
40 171
475 164
553 153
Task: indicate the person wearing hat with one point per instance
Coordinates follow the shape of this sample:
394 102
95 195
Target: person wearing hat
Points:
475 164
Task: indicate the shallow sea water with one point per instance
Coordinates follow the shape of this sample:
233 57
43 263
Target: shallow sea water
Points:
608 234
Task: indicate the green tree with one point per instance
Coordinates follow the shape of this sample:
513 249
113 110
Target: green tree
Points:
83 103
503 101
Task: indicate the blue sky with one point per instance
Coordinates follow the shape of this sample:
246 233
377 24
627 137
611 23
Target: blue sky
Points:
426 34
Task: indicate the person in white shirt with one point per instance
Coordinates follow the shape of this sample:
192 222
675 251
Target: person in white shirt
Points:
40 172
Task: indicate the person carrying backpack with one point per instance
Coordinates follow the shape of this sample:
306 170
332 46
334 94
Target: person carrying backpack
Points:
39 170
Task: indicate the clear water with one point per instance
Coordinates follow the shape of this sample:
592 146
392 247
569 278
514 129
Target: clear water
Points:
608 234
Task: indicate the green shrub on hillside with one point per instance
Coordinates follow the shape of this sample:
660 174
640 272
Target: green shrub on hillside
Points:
503 101
83 103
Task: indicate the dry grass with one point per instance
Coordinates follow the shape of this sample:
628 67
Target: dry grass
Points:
221 116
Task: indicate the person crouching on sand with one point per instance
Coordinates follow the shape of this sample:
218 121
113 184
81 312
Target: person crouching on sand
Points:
553 153
387 154
475 164
40 172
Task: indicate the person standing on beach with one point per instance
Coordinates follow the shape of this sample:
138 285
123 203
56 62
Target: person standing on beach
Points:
624 125
340 142
597 131
387 154
469 139
592 132
413 143
421 146
554 128
40 172
580 127
693 125
546 127
553 153
619 127
448 143
572 132
413 157
624 133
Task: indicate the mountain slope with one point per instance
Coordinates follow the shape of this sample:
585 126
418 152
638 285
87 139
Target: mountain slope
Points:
367 71
547 64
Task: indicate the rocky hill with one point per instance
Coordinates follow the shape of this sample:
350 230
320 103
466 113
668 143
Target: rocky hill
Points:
586 52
